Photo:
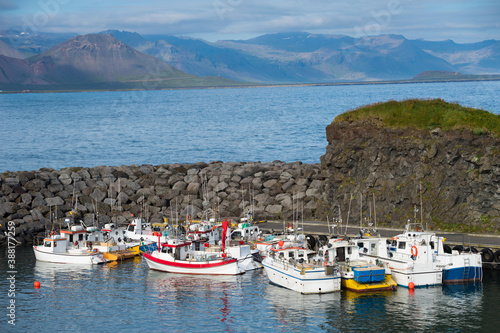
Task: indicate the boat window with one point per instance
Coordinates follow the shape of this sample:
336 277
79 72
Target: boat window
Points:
432 245
374 247
131 228
360 244
164 249
349 250
402 245
301 254
55 244
291 254
394 242
320 253
47 244
80 237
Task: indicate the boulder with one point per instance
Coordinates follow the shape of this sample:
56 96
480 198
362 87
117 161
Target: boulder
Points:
55 201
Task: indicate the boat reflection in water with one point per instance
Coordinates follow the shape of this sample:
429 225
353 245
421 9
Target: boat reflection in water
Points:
191 296
294 310
54 274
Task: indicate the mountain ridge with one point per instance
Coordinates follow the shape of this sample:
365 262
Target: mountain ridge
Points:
128 60
301 57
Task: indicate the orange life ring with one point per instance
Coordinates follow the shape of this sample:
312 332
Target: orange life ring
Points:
414 251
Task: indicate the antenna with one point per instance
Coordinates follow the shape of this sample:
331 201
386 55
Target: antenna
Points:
421 207
348 214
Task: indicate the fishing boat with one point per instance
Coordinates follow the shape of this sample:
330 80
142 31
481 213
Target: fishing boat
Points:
294 268
140 230
65 248
112 242
417 258
178 256
357 274
208 237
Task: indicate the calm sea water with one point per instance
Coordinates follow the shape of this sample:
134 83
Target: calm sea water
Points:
186 126
128 297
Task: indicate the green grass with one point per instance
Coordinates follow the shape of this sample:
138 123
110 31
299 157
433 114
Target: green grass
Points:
425 114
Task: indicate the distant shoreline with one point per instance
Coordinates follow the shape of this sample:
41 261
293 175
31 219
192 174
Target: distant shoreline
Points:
463 78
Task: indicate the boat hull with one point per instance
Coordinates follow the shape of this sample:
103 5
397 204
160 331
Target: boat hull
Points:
66 258
216 267
421 275
120 255
462 274
352 285
305 281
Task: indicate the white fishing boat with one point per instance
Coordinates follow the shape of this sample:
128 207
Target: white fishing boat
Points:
65 248
294 268
140 230
178 256
417 257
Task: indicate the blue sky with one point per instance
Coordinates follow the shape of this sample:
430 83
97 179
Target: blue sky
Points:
459 20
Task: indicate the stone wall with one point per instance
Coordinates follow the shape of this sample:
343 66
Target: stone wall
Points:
155 192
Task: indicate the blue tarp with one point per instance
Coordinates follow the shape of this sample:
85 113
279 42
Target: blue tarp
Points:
368 274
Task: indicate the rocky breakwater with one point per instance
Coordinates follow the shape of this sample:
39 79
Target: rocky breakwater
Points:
107 193
453 170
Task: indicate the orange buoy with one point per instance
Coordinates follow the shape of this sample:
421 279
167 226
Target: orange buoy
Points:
411 285
36 284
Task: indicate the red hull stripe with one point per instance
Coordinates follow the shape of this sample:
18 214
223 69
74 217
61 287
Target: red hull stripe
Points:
184 265
175 245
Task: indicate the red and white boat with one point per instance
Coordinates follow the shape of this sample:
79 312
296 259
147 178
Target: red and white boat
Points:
178 256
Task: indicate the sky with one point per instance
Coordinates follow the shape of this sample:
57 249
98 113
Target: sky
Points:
462 21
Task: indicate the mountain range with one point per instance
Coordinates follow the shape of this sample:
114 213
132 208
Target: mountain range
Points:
95 61
123 59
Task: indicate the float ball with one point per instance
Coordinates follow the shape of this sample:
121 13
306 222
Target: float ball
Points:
411 285
36 284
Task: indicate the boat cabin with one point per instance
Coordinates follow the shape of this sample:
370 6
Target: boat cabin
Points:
176 249
55 244
245 232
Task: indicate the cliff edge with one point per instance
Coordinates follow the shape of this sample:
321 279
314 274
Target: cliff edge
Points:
423 159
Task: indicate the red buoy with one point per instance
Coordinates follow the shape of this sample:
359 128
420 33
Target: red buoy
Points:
411 285
36 284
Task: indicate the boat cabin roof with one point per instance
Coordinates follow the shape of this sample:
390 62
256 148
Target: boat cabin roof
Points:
53 239
73 232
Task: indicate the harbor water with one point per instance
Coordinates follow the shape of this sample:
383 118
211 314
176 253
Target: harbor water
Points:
128 297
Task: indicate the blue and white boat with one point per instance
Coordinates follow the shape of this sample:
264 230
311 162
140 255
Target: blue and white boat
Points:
417 256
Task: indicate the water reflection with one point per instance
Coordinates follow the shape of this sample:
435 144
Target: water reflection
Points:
295 311
195 297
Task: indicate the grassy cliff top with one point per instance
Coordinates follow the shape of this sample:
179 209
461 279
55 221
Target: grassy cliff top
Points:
425 114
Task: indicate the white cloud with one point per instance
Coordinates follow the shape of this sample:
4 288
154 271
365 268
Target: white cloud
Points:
461 20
